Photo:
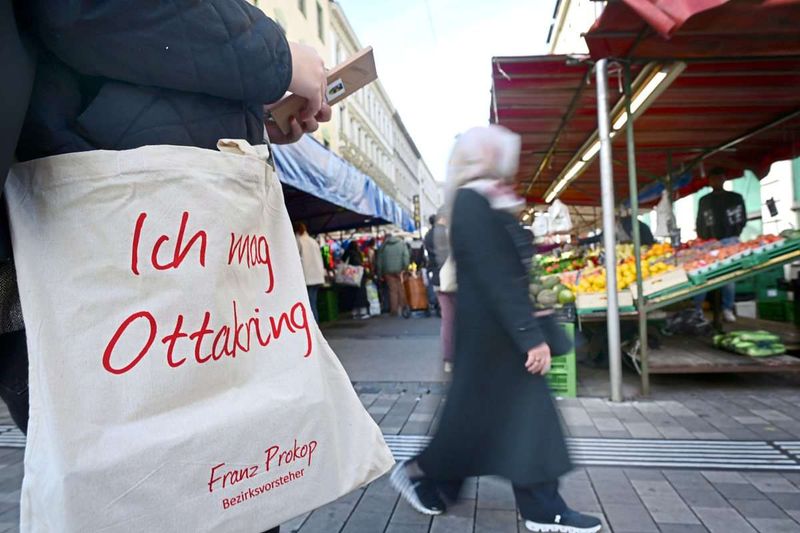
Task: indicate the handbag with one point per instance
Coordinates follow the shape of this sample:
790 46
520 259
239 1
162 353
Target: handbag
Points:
178 381
447 276
348 275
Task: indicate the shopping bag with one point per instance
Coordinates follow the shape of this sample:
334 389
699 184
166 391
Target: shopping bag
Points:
447 276
178 381
560 220
374 299
348 275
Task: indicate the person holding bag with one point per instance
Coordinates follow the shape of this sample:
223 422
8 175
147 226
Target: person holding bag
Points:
153 216
499 418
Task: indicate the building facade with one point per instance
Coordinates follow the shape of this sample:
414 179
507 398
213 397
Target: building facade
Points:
306 22
365 129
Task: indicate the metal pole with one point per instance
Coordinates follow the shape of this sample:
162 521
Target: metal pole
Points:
609 230
637 237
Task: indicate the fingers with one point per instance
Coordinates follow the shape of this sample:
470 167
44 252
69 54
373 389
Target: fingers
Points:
546 366
312 107
310 126
325 113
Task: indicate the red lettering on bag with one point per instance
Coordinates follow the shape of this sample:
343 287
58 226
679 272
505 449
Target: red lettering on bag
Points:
300 309
180 251
171 339
253 251
137 235
113 342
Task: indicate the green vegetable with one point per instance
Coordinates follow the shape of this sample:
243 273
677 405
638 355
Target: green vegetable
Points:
547 298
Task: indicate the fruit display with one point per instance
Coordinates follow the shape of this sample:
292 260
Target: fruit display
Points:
585 274
708 255
751 343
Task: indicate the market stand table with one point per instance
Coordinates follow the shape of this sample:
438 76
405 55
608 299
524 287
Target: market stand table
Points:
702 93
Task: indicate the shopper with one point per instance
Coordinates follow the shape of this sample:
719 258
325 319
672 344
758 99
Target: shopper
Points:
313 269
393 260
357 296
499 418
109 77
721 215
444 281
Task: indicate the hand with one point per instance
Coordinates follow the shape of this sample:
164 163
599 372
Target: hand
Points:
538 360
298 129
309 79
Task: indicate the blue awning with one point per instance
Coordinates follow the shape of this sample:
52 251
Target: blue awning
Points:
343 196
652 193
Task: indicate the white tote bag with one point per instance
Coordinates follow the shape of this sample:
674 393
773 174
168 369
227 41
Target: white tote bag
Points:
178 381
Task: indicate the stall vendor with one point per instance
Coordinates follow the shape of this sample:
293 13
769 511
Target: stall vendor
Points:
721 215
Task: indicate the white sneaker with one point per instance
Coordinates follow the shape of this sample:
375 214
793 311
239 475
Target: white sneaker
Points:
728 316
448 367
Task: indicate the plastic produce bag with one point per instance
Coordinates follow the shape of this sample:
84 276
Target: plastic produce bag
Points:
560 221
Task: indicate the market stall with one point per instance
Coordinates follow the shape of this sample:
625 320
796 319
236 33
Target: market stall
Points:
702 92
329 194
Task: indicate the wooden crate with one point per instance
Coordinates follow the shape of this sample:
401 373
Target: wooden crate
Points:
592 303
662 284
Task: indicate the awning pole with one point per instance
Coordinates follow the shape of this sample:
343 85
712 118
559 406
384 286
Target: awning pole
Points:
637 237
609 230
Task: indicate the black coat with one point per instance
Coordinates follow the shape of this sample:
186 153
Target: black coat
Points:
117 75
721 215
499 419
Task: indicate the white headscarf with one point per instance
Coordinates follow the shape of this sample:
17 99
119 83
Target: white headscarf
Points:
486 160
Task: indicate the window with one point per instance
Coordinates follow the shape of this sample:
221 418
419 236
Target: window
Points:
320 23
301 5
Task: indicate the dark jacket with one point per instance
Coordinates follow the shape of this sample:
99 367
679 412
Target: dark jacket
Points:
720 215
499 419
118 75
438 247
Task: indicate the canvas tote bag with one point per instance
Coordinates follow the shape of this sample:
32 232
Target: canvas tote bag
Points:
178 381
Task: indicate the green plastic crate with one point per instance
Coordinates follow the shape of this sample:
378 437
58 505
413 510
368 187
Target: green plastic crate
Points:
563 375
778 310
328 305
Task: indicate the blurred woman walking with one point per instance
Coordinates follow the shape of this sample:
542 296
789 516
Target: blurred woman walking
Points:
499 418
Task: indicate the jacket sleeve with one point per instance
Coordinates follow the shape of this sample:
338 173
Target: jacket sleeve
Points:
488 256
699 225
224 48
742 223
406 257
441 244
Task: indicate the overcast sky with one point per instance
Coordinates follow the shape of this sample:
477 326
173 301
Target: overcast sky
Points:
434 59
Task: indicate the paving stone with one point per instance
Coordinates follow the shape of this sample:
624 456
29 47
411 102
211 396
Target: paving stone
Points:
771 482
723 520
642 430
738 491
406 528
663 503
724 477
703 497
686 479
629 518
406 515
786 501
682 528
608 424
757 509
495 521
448 523
644 474
331 517
495 493
775 525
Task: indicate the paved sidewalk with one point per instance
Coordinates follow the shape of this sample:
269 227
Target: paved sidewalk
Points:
397 373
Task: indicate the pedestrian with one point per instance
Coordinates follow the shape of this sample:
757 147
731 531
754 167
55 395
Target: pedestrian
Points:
313 269
721 215
444 281
431 267
357 296
393 260
499 418
109 77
